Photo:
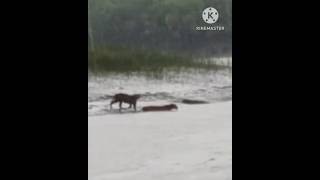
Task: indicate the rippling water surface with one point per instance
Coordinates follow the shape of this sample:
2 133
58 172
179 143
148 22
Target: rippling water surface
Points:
212 86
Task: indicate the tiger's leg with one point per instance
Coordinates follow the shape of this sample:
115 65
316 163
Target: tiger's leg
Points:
120 106
112 102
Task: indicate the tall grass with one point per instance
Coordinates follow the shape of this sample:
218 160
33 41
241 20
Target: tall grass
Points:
123 60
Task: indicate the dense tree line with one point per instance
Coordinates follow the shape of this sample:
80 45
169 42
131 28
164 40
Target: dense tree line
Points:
166 25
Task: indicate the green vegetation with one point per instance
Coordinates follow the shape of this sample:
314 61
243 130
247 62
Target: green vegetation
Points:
124 60
166 25
152 36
